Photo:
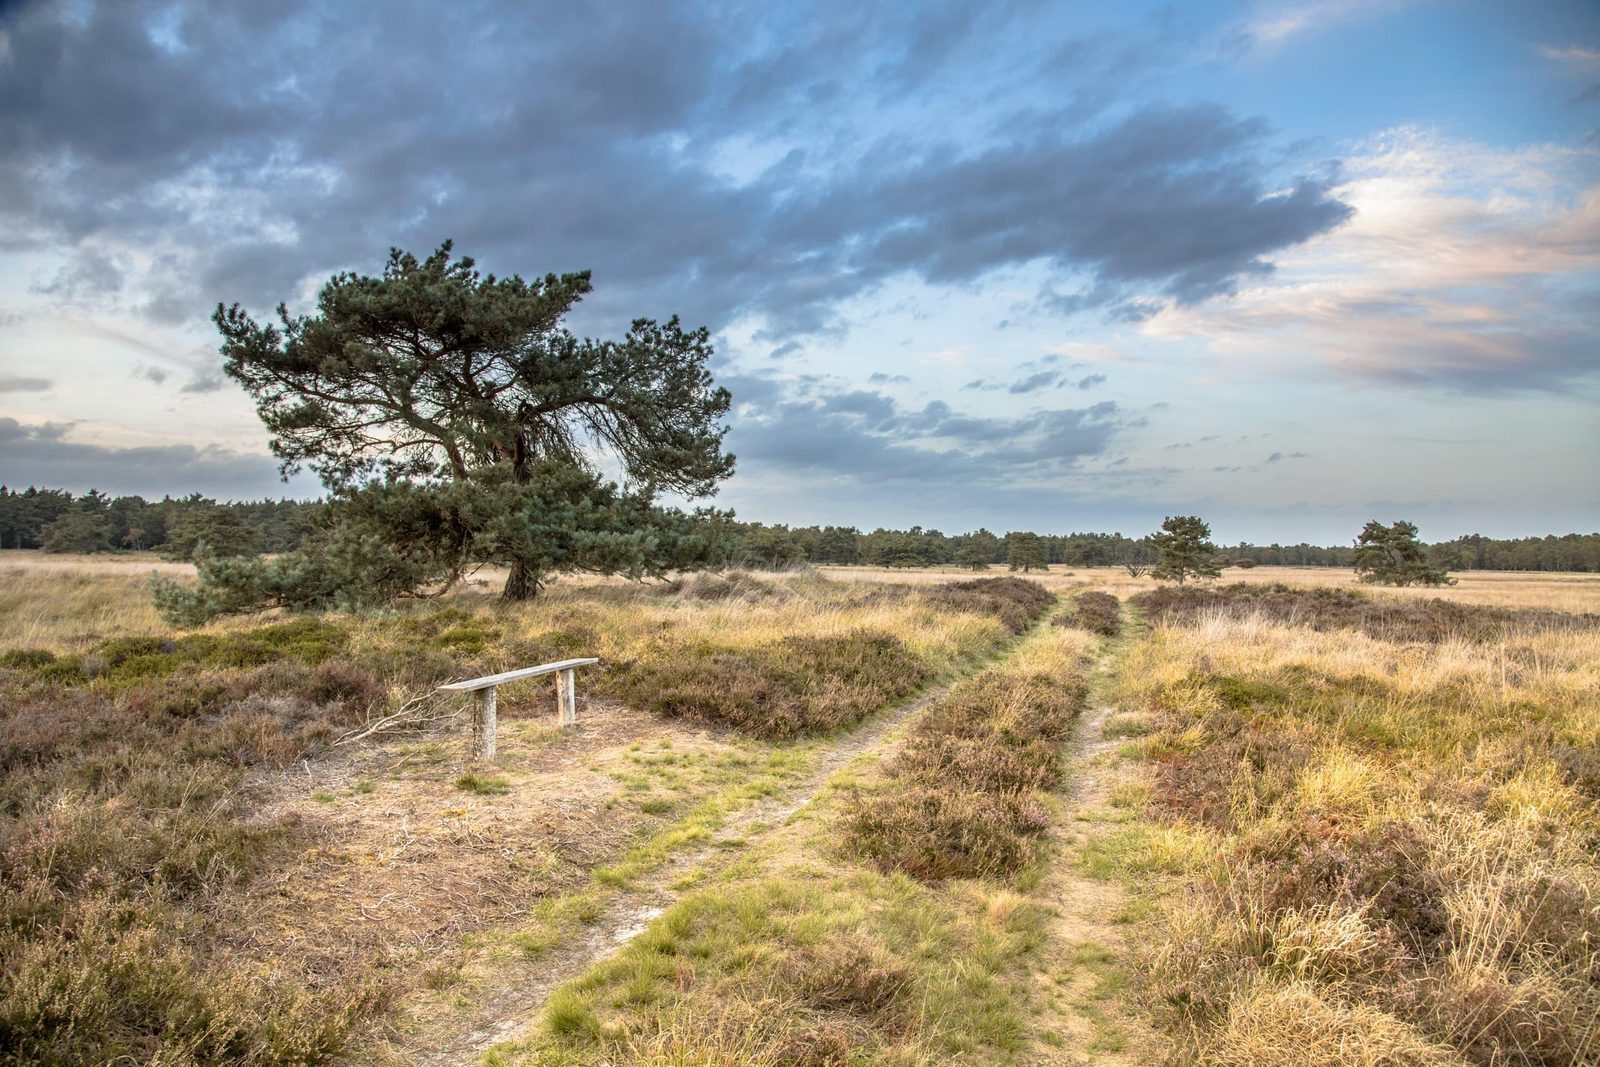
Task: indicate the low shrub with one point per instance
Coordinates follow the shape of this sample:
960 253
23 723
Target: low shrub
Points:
124 660
848 973
933 833
963 801
793 687
1016 602
1386 618
1099 613
26 659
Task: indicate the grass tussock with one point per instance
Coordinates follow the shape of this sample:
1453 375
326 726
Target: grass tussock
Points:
1402 863
1386 618
963 797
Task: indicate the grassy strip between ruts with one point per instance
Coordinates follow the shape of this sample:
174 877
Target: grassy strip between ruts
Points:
804 953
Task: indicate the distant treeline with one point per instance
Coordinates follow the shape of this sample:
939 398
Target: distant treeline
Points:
56 521
918 547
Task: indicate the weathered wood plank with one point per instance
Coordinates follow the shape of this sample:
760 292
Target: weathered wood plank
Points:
525 672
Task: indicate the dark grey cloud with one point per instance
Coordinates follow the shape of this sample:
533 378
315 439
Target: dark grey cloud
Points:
586 137
1089 381
12 383
151 374
880 378
41 454
205 381
89 275
1034 382
866 443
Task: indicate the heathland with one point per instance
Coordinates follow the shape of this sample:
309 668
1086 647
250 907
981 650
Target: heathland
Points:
836 816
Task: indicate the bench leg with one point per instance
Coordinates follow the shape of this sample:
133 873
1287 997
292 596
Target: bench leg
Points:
483 725
567 689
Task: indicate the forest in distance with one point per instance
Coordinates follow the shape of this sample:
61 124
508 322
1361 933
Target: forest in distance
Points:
57 521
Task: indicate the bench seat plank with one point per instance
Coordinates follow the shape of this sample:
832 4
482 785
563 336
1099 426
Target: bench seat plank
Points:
511 676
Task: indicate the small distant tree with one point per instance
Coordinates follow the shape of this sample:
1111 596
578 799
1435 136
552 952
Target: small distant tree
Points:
1392 555
1026 552
973 557
1185 549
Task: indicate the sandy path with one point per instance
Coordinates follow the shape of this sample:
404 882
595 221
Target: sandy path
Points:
1083 932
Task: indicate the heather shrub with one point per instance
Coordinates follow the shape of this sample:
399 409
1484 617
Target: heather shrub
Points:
1016 602
795 686
1385 618
963 799
1401 860
1099 613
934 833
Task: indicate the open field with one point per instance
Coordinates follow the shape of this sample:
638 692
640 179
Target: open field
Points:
855 816
1543 589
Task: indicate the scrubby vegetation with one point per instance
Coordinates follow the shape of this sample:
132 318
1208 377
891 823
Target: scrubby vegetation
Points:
1387 618
122 814
798 685
1390 848
1016 602
963 799
1099 613
132 835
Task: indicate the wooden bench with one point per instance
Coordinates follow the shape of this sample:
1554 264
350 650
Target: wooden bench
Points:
483 724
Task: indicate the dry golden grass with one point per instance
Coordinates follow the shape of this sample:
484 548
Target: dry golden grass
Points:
1399 863
1560 591
67 603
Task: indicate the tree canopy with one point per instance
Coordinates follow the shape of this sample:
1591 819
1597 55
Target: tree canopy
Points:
1392 555
1184 546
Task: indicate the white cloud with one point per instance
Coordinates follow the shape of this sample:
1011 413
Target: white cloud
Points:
1575 57
1276 24
1464 266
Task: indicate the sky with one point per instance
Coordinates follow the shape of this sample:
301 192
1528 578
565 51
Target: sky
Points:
1020 265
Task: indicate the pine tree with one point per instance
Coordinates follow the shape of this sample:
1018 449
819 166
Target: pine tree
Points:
1026 552
1185 550
435 374
1392 555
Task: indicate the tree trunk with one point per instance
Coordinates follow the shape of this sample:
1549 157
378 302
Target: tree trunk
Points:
520 584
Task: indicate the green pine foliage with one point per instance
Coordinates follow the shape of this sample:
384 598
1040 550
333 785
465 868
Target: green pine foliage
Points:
1185 549
1392 555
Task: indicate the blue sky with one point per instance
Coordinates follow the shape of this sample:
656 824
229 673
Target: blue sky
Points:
1289 266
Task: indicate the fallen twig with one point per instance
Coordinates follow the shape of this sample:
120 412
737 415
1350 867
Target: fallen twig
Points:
418 711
